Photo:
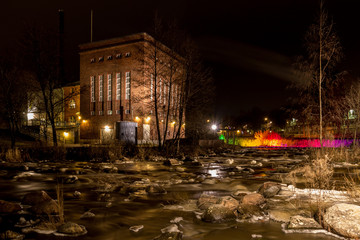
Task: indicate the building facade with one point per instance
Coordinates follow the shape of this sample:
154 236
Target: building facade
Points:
121 79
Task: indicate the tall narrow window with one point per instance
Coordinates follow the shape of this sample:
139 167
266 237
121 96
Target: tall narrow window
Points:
160 82
164 92
109 87
151 86
101 88
92 88
118 86
127 85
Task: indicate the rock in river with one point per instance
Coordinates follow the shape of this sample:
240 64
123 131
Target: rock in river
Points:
269 189
343 219
217 213
9 207
72 229
34 198
300 222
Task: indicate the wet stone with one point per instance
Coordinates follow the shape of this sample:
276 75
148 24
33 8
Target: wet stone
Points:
217 213
72 229
87 214
253 199
9 207
10 235
46 208
71 179
300 222
269 189
34 198
136 228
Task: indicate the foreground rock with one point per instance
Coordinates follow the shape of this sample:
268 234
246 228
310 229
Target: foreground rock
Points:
300 222
9 207
218 213
71 228
253 199
171 232
343 219
46 208
11 235
269 189
34 198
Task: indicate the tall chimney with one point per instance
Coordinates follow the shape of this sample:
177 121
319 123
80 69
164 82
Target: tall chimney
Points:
61 47
91 25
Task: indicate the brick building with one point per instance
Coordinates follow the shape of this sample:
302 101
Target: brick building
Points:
118 86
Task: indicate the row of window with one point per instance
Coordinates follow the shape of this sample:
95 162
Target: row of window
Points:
110 87
109 112
163 90
110 57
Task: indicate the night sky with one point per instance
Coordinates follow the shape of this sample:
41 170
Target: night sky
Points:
249 44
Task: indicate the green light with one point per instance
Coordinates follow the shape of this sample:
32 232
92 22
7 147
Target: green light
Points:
222 137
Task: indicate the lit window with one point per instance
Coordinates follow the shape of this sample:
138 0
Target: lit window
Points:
160 82
92 88
127 85
92 60
118 86
128 54
101 59
110 57
101 88
109 87
72 104
118 55
151 86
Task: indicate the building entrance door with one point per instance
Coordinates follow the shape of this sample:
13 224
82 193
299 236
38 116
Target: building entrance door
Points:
146 133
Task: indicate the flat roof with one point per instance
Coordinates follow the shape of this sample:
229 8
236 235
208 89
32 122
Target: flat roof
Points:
138 37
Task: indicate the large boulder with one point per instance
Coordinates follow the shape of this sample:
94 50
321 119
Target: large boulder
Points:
343 219
9 207
46 208
228 202
169 236
253 199
217 213
72 229
11 235
206 201
269 189
155 189
34 198
300 222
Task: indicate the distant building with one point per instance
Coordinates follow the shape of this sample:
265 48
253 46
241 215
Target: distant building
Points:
67 111
117 89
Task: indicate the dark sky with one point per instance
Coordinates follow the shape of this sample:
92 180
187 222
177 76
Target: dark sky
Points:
249 44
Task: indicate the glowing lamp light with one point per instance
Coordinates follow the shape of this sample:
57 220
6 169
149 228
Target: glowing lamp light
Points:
66 134
107 128
173 123
147 120
84 121
208 120
137 119
213 127
30 116
266 119
238 131
79 117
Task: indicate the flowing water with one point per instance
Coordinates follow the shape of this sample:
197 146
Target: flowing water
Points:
116 212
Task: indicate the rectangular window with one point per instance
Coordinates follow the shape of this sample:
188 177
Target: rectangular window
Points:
164 93
109 87
118 86
92 88
160 90
101 88
127 85
151 86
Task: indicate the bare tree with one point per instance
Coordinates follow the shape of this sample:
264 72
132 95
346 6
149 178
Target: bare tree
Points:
41 60
317 68
12 97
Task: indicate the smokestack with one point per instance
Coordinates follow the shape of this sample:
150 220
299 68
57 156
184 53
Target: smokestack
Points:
91 25
61 47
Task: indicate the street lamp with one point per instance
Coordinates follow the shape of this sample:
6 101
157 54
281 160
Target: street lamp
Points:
213 127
